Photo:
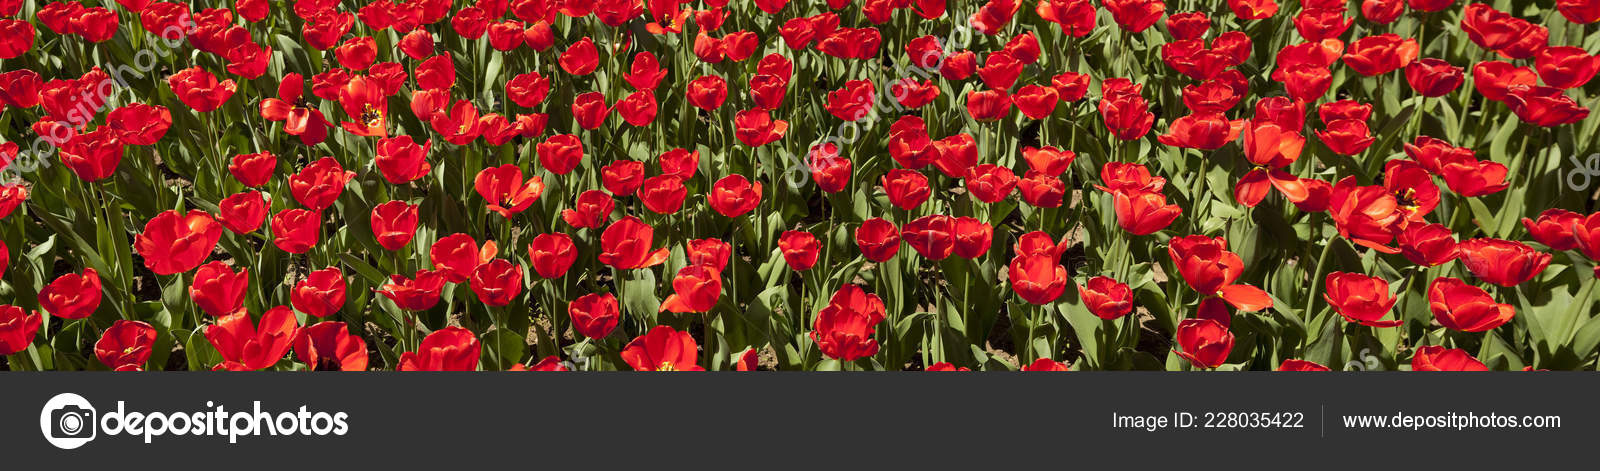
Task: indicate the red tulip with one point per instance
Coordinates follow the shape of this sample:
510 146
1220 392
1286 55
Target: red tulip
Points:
1554 228
1209 268
1201 131
200 90
696 288
1433 77
253 169
1048 160
1135 15
1381 54
594 315
125 346
662 349
906 189
988 105
1586 236
1346 137
497 282
1544 106
92 156
414 294
1270 148
218 290
394 224
417 45
679 163
1128 178
1433 154
1428 244
1437 358
755 127
1460 306
828 169
1253 9
1036 102
581 58
878 239
908 92
1579 11
1305 82
712 253
18 36
931 236
1075 17
1367 215
972 237
1000 70
852 102
663 194
959 65
707 92
328 346
590 110
528 90
321 294
626 245
1127 115
457 256
552 254
18 327
243 212
844 333
318 185
247 347
734 195
448 349
175 243
138 124
294 230
1361 299
592 210
401 160
1503 262
504 190
1038 279
1566 66
1040 190
1205 342
1494 79
1188 25
1106 298
800 249
1302 365
1144 213
1472 177
990 183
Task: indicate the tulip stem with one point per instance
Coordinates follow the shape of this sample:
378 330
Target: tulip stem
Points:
1316 280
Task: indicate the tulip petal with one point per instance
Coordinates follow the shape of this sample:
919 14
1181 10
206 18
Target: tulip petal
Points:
1246 298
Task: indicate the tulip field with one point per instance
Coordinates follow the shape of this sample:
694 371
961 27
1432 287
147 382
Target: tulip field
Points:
834 185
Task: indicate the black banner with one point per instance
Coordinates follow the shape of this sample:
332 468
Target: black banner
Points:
611 420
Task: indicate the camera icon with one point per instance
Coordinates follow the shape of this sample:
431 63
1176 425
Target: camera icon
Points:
72 422
68 421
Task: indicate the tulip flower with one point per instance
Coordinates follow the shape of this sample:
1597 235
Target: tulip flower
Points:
497 282
448 349
696 288
244 212
218 290
1359 298
626 245
328 346
418 293
1204 342
1037 279
800 249
318 185
662 349
17 329
592 210
734 195
321 294
200 90
505 190
176 243
394 224
594 315
1554 228
878 239
401 160
248 347
1437 358
845 334
931 236
1503 262
294 230
457 256
1209 268
125 346
552 254
1460 306
1106 298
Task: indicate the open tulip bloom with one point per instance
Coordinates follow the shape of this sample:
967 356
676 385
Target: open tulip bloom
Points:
617 185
